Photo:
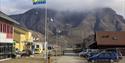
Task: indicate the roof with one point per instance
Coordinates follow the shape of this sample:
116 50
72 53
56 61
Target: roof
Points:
4 16
110 38
21 27
38 37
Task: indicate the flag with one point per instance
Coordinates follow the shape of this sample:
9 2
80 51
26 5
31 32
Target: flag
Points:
39 2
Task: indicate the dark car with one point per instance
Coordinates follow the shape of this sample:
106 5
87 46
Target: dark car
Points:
103 56
86 53
26 53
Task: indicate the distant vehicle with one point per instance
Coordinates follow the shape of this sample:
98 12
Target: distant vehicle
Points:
119 54
37 50
85 53
25 53
55 51
104 56
17 51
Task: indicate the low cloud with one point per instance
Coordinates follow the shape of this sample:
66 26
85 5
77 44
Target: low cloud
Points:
20 6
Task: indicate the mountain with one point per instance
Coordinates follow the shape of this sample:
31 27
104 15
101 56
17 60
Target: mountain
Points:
70 26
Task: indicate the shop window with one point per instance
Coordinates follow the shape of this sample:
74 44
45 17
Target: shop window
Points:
5 50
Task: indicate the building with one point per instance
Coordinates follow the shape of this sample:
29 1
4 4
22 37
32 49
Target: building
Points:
38 42
23 38
38 46
6 35
106 40
110 39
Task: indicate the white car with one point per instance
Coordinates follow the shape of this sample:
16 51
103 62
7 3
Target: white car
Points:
84 52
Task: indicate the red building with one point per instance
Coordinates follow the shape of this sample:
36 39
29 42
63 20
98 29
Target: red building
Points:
106 40
110 39
6 35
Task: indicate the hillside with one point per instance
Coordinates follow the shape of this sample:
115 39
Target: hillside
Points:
73 26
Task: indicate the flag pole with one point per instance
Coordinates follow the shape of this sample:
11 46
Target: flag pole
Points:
46 43
46 22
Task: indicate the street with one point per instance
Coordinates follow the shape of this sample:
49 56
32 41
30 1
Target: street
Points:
77 59
69 59
59 59
35 59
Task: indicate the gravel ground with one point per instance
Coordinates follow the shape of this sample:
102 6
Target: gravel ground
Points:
76 59
69 59
123 60
35 59
60 59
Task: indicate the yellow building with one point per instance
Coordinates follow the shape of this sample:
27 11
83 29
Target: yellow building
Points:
22 37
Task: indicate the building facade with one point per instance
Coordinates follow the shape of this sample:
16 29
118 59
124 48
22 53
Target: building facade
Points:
22 38
116 39
106 40
6 35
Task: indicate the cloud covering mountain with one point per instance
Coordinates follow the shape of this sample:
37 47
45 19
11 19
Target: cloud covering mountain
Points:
20 6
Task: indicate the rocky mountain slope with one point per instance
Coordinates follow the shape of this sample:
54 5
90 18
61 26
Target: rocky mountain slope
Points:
71 26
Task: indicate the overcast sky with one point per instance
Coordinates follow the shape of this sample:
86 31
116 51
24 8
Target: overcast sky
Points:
20 6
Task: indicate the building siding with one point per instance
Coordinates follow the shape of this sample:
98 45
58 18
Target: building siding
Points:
110 38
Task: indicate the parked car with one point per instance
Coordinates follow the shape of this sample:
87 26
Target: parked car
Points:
103 56
37 51
120 55
85 53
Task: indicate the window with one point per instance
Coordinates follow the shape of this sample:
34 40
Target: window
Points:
7 28
4 27
105 36
5 50
11 29
37 46
115 38
0 27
